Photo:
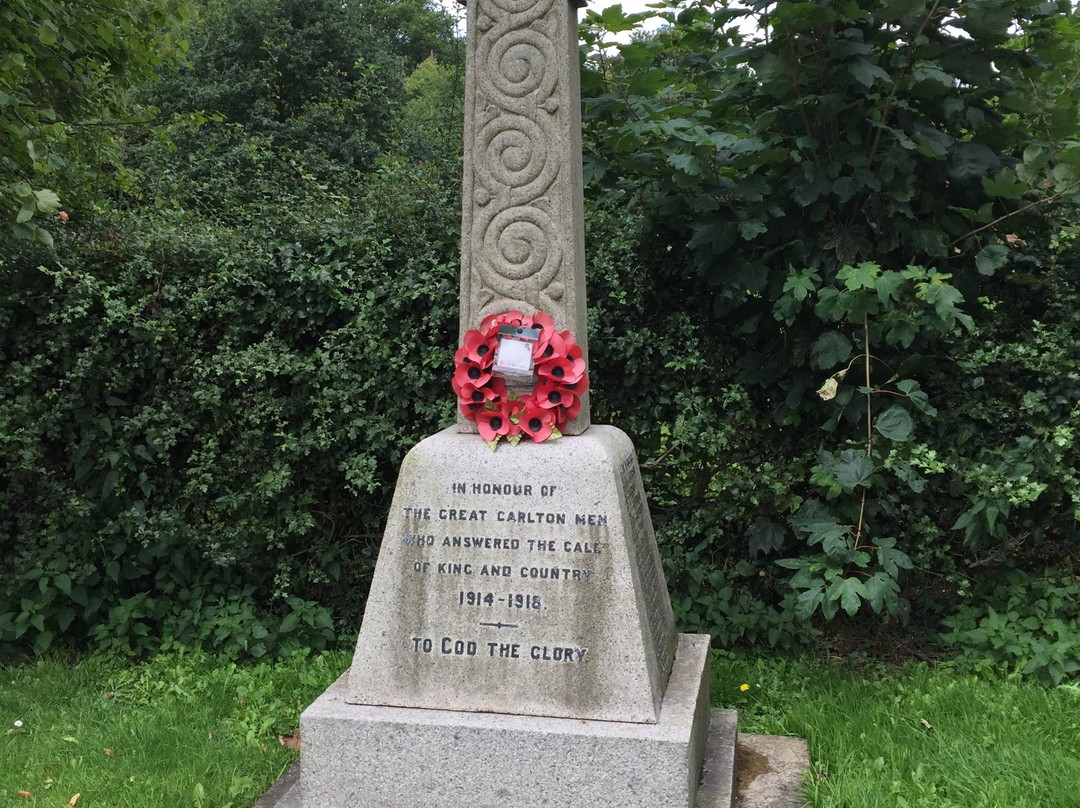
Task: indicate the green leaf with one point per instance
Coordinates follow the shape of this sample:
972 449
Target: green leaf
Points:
991 258
765 536
891 559
928 241
46 33
1005 185
972 161
862 276
916 396
752 228
931 72
866 73
895 424
902 9
687 162
289 623
800 284
829 350
47 201
881 592
887 285
109 485
63 583
808 601
838 546
907 474
853 469
943 297
850 592
637 55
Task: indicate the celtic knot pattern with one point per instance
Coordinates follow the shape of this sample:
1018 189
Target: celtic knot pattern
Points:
517 176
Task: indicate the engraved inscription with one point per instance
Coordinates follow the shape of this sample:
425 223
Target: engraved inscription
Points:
491 572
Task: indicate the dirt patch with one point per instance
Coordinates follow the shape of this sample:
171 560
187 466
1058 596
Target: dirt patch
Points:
749 765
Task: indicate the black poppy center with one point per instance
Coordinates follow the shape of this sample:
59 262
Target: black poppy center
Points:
482 350
549 350
535 424
558 371
474 372
554 396
496 423
477 395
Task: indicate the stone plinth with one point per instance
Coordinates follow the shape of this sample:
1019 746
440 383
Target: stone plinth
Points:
522 581
362 756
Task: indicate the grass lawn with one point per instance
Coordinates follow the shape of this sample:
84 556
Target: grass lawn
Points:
187 729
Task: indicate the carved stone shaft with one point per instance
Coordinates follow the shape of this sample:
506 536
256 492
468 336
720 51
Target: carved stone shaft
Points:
522 233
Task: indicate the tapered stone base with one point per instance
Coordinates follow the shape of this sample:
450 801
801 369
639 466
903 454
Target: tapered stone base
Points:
358 756
524 581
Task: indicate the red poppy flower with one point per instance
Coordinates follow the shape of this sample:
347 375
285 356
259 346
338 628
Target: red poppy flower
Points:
514 318
477 348
537 422
468 373
549 394
494 424
470 394
542 320
554 346
571 410
565 371
580 386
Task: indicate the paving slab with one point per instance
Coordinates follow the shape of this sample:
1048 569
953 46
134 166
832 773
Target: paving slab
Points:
770 771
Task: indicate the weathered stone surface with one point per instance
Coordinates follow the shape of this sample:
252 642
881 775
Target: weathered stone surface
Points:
523 581
522 230
359 756
771 770
716 788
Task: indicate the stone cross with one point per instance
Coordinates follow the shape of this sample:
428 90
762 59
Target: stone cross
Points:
522 225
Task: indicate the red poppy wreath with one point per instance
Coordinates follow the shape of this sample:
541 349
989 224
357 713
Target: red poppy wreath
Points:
503 407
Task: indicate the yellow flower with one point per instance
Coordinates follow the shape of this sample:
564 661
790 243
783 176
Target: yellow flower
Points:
744 687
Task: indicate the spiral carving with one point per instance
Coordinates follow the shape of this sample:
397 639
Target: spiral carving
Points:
516 169
520 247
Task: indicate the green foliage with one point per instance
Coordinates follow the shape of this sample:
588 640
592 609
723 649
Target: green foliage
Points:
206 390
1023 622
193 424
857 213
62 75
314 77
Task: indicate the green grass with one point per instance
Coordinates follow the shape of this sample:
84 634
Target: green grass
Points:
914 736
187 730
184 729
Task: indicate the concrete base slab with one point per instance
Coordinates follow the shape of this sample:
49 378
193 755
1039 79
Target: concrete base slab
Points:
770 770
715 790
393 757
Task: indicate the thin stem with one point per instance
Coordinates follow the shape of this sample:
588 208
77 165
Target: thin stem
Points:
869 412
869 425
1048 200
